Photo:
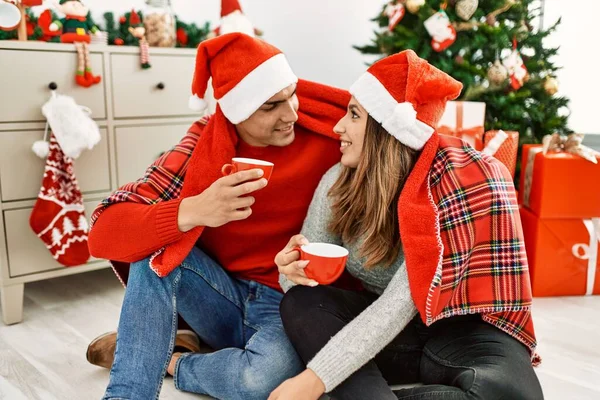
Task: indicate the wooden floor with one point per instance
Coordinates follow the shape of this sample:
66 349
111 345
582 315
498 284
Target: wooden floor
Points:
44 356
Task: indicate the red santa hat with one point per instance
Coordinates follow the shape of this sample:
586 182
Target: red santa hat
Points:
229 6
245 71
234 20
134 19
406 95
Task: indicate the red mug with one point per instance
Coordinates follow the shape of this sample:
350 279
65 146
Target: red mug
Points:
327 261
243 164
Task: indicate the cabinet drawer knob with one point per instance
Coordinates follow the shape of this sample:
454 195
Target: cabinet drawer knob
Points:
160 86
52 86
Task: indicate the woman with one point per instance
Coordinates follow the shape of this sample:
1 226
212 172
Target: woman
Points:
434 235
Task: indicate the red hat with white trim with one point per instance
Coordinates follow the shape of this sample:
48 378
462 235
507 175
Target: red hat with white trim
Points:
234 20
245 71
229 6
406 95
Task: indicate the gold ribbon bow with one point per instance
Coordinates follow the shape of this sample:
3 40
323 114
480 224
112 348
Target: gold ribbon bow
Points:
569 144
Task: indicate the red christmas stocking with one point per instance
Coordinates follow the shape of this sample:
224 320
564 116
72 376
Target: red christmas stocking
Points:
58 216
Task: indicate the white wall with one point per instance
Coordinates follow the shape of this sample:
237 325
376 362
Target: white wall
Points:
317 36
578 55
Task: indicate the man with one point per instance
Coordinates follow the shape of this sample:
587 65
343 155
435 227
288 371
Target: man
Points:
202 245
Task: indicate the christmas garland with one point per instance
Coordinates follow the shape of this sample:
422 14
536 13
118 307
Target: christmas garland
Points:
38 27
187 35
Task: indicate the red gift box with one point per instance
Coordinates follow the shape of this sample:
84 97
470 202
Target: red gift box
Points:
562 254
508 150
559 185
465 120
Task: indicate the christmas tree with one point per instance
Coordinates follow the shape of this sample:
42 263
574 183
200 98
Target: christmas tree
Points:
68 226
476 43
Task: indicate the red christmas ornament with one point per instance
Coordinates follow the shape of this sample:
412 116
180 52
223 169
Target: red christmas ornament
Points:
119 42
182 37
122 20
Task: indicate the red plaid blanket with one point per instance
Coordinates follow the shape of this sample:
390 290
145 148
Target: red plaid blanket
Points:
463 204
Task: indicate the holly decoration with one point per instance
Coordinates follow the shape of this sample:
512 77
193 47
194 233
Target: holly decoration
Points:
190 35
120 35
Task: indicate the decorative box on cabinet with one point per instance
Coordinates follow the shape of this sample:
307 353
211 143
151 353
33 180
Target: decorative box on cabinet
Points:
140 113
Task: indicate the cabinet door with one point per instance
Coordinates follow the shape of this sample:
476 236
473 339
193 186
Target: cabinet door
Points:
139 146
160 91
27 254
24 83
21 170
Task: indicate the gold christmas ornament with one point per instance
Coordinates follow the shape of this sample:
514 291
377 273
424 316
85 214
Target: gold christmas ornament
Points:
413 6
497 74
466 8
551 86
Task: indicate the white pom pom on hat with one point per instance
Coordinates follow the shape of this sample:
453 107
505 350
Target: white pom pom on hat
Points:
196 103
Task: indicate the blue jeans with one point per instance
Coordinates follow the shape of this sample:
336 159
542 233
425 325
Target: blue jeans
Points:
239 319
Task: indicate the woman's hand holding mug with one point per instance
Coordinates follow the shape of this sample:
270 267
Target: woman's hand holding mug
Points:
289 263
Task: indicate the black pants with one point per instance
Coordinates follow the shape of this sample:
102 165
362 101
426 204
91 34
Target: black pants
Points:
456 358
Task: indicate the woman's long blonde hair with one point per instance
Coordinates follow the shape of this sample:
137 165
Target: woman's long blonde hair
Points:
365 199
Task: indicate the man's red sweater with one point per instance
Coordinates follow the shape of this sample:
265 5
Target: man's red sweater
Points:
130 231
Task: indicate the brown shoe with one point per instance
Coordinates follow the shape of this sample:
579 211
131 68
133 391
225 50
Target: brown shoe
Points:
101 351
187 341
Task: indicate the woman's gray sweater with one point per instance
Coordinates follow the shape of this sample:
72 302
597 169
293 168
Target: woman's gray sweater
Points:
365 336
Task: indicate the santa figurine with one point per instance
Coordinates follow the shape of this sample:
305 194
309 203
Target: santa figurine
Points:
516 69
441 30
234 20
76 28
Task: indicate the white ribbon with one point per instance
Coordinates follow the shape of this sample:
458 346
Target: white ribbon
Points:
495 143
589 252
534 151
